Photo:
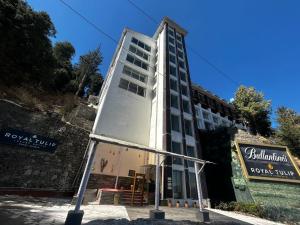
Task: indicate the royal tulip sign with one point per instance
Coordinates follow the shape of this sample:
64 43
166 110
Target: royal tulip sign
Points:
267 162
27 140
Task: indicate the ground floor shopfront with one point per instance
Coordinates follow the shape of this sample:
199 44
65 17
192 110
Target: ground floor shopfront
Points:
114 167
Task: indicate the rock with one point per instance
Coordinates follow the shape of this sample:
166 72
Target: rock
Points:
28 172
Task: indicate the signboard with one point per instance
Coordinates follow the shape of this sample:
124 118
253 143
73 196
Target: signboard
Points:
267 162
28 140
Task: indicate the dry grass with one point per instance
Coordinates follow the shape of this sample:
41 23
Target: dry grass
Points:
36 99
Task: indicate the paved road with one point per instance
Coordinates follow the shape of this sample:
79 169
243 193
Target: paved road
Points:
16 210
182 214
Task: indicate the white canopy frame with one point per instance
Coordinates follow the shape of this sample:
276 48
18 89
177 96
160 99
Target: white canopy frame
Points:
95 139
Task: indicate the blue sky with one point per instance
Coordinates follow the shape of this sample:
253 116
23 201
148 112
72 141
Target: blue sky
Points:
257 43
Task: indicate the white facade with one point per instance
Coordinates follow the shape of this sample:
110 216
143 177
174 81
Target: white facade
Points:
147 99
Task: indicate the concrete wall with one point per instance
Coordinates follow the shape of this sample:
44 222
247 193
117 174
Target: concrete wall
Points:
133 111
28 168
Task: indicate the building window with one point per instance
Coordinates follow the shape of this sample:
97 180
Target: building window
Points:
141 44
171 40
132 87
177 184
174 101
181 64
172 59
173 84
134 74
199 123
182 75
171 32
179 45
186 106
188 127
193 185
190 152
138 52
184 90
178 36
172 49
173 71
137 62
175 123
180 54
176 148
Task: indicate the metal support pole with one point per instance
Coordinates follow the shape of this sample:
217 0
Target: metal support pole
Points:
157 183
199 190
86 175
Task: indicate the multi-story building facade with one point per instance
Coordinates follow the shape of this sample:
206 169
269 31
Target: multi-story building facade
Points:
148 99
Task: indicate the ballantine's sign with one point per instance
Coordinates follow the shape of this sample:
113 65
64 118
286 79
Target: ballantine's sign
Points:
268 162
28 140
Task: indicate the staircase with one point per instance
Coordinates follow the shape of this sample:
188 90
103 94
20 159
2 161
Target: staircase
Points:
107 196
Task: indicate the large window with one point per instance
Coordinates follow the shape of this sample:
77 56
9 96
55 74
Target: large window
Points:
172 59
182 75
171 40
176 148
181 64
172 49
141 44
177 184
188 127
190 152
180 54
179 45
174 101
193 186
173 84
184 90
138 52
134 74
173 71
137 62
175 123
186 106
132 87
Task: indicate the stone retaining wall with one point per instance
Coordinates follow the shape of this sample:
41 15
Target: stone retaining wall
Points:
32 169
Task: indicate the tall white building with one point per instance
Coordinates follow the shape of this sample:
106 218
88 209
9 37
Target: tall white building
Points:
147 98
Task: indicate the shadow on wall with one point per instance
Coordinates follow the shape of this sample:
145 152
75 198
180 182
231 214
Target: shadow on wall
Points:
216 147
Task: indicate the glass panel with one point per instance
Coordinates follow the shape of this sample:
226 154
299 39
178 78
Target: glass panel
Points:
175 123
174 101
173 71
130 58
186 106
123 84
173 84
141 91
193 186
176 148
182 76
132 87
188 127
190 152
177 184
172 59
184 90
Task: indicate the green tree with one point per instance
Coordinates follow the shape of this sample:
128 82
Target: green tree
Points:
254 110
25 48
63 74
88 71
288 131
